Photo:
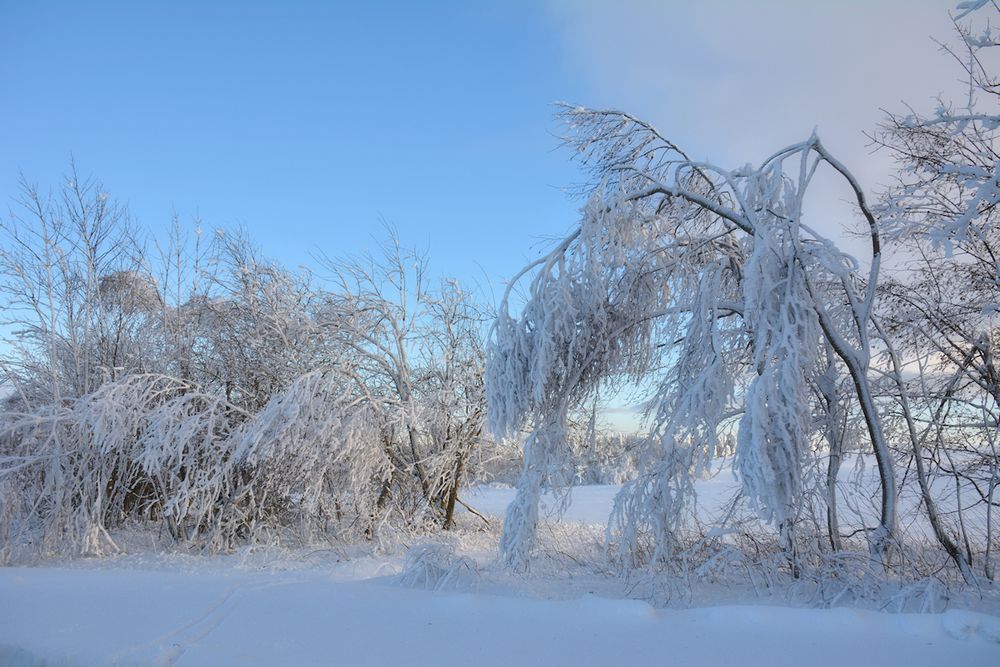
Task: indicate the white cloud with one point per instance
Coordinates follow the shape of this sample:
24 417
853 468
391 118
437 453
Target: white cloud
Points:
734 81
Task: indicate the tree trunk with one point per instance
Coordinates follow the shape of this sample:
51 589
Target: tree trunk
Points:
449 510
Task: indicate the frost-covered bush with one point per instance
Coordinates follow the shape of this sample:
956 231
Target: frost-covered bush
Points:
215 396
150 450
319 458
437 567
144 448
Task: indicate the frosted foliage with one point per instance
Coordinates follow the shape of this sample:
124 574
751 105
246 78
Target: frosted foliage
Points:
151 447
281 409
595 309
687 411
703 285
774 429
543 458
437 567
315 450
948 186
567 333
142 446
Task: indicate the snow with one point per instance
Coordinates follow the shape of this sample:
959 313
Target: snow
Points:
94 615
266 606
588 504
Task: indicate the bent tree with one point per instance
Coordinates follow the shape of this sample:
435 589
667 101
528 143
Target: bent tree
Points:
708 285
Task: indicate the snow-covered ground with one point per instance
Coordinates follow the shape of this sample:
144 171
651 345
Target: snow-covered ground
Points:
593 503
99 616
340 607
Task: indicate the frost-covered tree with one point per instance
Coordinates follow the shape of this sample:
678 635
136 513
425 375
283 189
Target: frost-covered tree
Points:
259 323
415 356
219 396
711 286
941 310
72 288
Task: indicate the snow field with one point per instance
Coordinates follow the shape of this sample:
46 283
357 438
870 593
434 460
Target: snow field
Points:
340 606
93 616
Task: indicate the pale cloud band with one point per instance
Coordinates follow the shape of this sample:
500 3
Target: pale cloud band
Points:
734 81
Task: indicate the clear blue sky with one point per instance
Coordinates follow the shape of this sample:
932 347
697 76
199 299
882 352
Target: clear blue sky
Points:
309 123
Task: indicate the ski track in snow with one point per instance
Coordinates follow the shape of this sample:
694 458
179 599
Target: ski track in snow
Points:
170 647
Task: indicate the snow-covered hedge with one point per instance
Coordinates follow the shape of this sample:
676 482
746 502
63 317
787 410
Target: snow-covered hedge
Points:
156 451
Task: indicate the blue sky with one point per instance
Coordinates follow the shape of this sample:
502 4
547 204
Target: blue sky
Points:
312 123
307 123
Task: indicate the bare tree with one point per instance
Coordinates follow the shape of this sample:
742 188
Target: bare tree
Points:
259 321
415 355
68 313
941 310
